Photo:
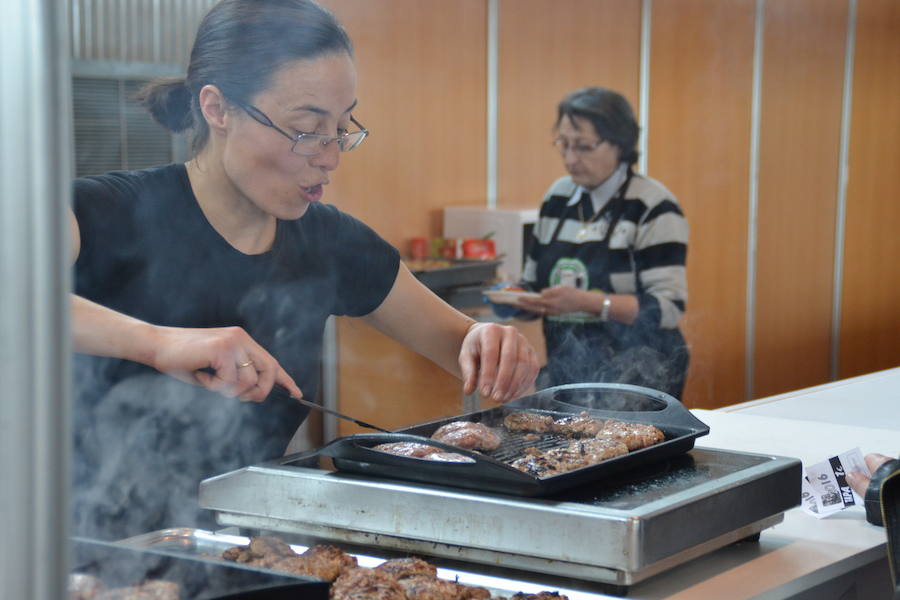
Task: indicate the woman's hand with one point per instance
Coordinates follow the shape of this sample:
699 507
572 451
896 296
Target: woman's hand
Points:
860 482
232 363
560 300
498 361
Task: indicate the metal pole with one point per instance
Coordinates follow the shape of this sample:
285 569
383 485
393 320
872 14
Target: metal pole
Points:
35 179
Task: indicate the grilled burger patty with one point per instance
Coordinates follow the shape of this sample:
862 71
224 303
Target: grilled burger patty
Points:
468 435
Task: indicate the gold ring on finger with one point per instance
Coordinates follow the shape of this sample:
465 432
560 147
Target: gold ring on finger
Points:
245 364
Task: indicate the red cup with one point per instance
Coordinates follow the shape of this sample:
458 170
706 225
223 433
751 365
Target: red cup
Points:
418 247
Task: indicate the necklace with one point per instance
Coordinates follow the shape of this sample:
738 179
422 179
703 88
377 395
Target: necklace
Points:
585 224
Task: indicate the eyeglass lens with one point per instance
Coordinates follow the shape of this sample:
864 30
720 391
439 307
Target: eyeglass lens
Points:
312 143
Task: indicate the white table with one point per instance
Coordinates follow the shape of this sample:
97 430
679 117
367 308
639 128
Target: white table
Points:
840 557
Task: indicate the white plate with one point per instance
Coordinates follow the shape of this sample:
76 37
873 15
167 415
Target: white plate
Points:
508 296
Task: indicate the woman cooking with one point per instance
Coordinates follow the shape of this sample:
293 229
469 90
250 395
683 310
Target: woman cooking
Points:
608 256
221 272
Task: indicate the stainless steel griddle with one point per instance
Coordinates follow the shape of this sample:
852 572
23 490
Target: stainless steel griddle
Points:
617 531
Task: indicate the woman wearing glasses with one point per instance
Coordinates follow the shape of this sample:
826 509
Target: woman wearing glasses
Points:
608 256
222 272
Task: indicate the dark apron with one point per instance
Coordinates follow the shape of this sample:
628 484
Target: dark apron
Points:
612 352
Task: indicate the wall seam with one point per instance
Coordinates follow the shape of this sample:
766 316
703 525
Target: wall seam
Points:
753 199
493 26
644 84
843 177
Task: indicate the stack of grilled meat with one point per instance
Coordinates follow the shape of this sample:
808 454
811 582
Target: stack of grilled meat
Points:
397 579
88 587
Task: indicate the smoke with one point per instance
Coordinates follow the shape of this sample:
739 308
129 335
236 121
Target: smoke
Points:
612 353
142 448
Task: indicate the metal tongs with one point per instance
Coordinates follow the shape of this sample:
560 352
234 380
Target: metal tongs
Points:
281 394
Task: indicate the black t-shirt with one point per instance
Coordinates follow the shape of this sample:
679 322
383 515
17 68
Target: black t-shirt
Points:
148 251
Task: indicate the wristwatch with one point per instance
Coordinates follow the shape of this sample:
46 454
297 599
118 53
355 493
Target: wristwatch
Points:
604 308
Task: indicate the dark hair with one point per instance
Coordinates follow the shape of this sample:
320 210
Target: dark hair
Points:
609 113
240 44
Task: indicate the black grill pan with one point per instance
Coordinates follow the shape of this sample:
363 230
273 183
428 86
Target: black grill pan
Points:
490 472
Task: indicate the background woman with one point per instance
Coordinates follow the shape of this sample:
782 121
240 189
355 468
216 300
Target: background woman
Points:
608 256
231 264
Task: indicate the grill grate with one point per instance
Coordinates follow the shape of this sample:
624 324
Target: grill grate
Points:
514 443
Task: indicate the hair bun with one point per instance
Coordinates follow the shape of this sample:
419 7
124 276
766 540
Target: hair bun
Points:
169 102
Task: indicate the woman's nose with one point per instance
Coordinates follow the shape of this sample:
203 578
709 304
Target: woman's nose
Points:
569 157
328 158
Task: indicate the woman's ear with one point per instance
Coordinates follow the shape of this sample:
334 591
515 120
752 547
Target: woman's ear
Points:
214 107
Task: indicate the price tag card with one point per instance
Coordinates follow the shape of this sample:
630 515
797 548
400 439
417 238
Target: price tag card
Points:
825 489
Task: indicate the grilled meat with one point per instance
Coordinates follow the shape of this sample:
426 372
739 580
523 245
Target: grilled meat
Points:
428 588
406 449
448 457
539 596
366 584
321 561
468 435
634 435
419 581
580 425
408 567
536 464
473 592
84 587
153 589
262 551
576 454
596 450
528 422
326 554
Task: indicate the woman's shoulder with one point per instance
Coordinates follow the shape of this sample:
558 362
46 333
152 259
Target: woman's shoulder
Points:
650 191
132 184
563 187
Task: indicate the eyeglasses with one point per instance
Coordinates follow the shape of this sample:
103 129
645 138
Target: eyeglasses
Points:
579 149
310 144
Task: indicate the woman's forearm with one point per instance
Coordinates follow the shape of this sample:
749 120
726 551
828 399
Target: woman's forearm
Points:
623 308
101 331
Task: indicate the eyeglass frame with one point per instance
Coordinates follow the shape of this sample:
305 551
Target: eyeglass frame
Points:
577 149
261 118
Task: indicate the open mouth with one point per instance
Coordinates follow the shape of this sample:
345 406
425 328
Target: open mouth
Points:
313 193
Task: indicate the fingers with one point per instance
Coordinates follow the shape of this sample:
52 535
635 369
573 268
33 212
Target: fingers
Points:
287 382
874 460
469 369
858 482
506 363
238 366
535 306
259 373
508 359
526 371
488 352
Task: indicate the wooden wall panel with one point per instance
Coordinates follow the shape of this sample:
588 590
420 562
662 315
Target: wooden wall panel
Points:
547 49
800 129
699 136
422 89
870 324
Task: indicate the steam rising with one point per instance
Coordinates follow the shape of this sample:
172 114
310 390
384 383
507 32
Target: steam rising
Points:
140 451
591 358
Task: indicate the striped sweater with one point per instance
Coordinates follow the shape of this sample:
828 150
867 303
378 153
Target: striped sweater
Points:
647 249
